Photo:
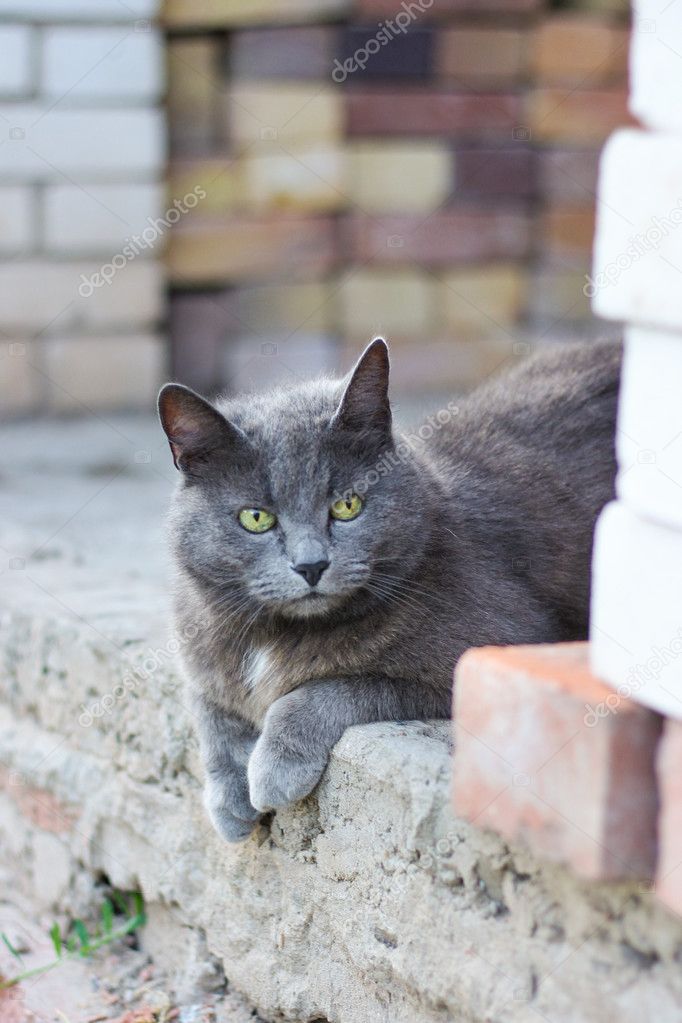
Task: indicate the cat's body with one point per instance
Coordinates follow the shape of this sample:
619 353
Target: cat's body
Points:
479 532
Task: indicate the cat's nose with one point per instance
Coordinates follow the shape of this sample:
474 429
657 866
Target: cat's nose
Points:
311 570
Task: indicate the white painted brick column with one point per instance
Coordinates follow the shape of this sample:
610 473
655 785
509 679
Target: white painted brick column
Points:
82 164
637 277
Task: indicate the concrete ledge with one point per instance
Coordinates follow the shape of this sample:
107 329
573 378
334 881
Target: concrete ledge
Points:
369 901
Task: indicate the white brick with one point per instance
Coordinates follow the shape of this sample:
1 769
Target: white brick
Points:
97 63
103 372
15 60
79 10
37 293
16 219
636 619
304 178
19 381
99 219
655 64
637 270
47 145
649 436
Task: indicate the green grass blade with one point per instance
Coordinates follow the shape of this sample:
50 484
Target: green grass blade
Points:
10 946
56 938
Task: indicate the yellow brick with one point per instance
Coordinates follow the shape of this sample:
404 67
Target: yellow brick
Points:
185 13
193 94
217 250
395 177
304 178
265 116
220 179
400 304
477 301
308 308
19 381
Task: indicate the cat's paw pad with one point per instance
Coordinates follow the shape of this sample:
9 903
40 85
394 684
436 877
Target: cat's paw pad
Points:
233 819
279 777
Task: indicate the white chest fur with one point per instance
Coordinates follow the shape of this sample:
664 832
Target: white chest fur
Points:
258 667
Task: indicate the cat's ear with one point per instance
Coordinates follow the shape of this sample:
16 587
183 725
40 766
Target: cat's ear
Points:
195 429
365 406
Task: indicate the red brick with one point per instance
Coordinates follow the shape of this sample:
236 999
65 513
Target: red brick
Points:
444 8
239 249
38 806
511 171
546 754
669 770
569 175
430 112
439 240
577 115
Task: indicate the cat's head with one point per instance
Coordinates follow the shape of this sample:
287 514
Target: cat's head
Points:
293 500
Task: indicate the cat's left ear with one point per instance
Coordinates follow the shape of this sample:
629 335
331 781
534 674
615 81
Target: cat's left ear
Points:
365 406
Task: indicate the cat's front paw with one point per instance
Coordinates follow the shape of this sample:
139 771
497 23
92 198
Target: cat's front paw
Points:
231 812
279 776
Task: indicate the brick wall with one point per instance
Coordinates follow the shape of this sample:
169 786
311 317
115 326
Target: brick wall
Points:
577 751
82 158
442 194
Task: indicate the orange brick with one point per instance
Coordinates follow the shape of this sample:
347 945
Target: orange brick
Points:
209 250
669 770
577 116
572 49
481 54
568 231
548 755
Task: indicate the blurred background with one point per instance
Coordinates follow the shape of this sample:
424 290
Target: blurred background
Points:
237 192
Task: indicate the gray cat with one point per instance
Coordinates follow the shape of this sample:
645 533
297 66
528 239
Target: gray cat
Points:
332 572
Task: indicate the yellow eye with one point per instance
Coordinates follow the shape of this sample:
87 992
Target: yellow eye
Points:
257 520
347 508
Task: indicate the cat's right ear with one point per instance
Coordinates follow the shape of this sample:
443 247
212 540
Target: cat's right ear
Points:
195 429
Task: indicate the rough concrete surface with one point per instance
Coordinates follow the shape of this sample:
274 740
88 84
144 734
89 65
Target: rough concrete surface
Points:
367 902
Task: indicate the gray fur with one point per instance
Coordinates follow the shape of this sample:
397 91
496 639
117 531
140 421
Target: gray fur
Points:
481 534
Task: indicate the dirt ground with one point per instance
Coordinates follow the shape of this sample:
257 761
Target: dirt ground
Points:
119 984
